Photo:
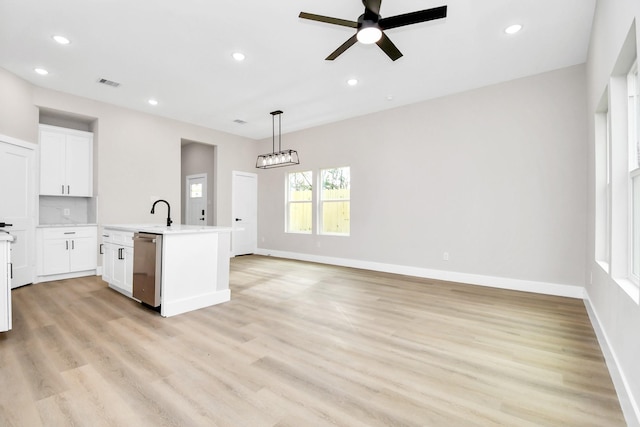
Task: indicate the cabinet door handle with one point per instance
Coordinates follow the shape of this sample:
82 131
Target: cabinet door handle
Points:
120 253
101 245
62 188
73 244
68 189
66 244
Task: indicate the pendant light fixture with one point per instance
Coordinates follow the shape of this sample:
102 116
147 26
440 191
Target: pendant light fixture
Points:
277 159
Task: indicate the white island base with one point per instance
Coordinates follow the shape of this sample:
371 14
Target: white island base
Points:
195 271
195 265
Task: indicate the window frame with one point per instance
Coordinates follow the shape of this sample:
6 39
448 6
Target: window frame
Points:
633 125
322 201
289 202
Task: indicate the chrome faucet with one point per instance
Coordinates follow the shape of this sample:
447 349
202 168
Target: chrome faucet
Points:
153 211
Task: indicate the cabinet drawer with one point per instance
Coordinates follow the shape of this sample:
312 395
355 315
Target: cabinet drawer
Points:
122 238
68 232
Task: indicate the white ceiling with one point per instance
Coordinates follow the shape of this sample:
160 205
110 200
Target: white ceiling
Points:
179 52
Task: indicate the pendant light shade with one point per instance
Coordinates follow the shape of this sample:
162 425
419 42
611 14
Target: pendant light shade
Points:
280 158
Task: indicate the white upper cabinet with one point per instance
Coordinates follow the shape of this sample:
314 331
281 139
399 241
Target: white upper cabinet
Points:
66 162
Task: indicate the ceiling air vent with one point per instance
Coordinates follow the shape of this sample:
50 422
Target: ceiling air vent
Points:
240 122
109 82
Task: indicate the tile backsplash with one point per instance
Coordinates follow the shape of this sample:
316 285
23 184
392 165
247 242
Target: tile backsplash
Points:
67 210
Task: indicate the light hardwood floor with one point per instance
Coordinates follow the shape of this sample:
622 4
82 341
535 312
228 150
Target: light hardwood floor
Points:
303 344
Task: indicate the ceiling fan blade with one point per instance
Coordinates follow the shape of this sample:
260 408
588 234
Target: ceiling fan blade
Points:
344 46
413 17
372 5
328 20
388 47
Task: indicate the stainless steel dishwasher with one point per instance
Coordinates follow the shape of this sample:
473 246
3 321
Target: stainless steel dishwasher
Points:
147 267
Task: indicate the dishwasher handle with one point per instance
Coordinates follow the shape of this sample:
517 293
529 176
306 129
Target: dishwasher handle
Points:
145 239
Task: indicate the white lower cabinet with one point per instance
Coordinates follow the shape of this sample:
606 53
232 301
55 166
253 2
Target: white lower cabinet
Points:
66 252
117 260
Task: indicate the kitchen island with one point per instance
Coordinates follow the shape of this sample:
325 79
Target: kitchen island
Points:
193 270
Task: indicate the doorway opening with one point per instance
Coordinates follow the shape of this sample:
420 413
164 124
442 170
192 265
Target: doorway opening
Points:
198 167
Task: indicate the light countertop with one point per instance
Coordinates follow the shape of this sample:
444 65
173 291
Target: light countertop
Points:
173 229
65 225
4 236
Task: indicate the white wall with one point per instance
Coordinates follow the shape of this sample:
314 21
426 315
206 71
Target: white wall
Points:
495 176
139 159
137 155
617 315
17 112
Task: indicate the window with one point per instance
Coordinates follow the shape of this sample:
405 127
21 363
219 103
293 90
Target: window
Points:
299 202
617 173
633 91
196 190
603 185
335 204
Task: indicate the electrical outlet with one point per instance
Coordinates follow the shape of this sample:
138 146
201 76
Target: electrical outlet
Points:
67 212
445 256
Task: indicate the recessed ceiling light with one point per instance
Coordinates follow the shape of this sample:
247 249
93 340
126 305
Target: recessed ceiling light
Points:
41 71
153 101
512 29
389 97
352 82
61 39
238 56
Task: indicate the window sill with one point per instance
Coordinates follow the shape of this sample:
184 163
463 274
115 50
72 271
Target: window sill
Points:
630 288
604 265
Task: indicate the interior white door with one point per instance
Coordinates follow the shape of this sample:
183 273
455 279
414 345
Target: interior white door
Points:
17 205
244 211
196 199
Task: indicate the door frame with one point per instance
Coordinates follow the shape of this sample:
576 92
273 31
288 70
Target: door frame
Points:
35 176
187 207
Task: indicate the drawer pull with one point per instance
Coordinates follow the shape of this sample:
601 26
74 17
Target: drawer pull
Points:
69 232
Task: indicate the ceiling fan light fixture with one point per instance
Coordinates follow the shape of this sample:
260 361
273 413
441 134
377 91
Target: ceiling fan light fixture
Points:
369 34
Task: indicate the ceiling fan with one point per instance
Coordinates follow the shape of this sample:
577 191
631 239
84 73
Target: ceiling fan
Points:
370 26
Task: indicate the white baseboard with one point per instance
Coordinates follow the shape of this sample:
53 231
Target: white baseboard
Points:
52 277
184 305
630 406
546 288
